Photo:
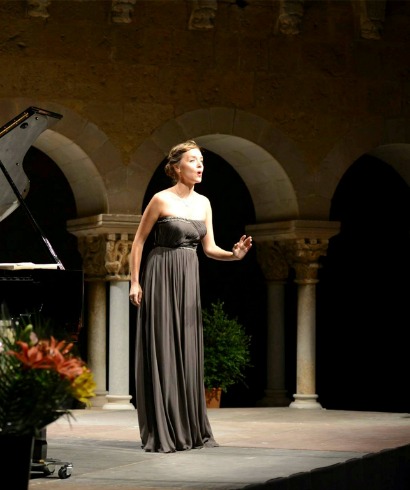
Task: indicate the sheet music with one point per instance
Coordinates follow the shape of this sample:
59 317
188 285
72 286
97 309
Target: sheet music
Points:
26 265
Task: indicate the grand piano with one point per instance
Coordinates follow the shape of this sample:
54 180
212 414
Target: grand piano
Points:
46 290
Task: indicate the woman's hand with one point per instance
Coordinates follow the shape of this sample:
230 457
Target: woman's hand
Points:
241 248
136 294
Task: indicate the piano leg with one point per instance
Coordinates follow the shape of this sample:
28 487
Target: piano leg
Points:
40 446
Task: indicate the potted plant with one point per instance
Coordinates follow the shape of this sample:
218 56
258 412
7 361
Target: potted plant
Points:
226 352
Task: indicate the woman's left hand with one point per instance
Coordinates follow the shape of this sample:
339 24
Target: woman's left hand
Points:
241 248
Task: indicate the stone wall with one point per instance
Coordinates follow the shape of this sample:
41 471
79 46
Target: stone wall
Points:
308 71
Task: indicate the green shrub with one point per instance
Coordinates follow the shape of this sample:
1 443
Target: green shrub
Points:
226 349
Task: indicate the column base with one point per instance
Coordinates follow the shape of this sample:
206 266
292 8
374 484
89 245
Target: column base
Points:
305 401
274 398
118 402
99 400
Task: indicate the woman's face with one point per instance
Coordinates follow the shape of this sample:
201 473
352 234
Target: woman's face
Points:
191 167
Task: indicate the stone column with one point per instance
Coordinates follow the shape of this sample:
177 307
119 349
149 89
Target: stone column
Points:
104 242
301 242
275 270
303 254
97 338
92 248
117 266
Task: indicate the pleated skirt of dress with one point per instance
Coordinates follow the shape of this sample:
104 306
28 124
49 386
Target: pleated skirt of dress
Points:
170 391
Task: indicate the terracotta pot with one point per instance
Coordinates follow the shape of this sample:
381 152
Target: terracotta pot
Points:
213 397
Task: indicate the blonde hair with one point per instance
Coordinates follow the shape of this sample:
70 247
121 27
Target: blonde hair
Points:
175 155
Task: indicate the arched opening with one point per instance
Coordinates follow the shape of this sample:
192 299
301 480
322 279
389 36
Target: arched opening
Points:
363 293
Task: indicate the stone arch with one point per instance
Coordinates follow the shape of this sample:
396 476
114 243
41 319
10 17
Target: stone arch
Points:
269 163
83 153
79 170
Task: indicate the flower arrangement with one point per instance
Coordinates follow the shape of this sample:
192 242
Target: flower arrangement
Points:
40 378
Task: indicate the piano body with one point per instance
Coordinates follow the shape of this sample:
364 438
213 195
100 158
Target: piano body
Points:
42 291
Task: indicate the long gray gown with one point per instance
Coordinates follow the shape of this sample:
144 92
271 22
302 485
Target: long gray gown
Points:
170 394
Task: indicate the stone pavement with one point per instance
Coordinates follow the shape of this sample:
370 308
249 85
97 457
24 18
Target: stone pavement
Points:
260 448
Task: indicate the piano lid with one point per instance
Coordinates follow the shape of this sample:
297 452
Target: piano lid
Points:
16 137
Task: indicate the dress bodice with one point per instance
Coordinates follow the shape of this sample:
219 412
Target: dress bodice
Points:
175 232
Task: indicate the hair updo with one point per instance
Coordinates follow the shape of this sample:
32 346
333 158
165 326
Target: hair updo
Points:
175 155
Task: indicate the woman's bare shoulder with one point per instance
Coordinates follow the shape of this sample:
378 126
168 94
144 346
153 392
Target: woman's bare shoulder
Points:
162 196
201 198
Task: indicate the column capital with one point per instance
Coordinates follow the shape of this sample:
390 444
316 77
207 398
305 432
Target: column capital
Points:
272 261
294 243
104 242
303 255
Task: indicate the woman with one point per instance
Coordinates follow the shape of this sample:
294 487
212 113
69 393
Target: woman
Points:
169 354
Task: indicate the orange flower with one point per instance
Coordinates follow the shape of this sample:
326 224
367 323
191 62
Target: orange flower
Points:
50 354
